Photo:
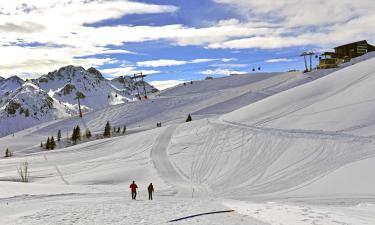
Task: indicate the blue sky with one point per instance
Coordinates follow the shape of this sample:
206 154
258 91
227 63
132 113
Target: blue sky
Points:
174 40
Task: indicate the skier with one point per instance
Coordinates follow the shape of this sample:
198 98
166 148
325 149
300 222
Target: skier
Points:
133 188
150 190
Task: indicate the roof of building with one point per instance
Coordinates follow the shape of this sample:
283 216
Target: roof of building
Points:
357 42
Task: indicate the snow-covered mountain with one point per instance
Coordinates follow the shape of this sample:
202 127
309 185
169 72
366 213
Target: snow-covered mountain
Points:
64 83
9 85
128 86
29 105
53 96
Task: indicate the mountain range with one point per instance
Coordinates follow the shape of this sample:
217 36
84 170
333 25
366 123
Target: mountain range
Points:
53 96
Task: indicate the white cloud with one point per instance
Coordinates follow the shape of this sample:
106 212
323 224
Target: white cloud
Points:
279 60
164 84
126 71
228 59
161 62
225 72
302 22
59 30
202 60
301 13
23 61
173 62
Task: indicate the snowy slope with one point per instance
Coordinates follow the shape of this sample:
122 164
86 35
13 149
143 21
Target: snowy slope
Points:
269 173
339 102
200 99
9 85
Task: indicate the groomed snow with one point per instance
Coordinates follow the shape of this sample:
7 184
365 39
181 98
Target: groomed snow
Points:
268 166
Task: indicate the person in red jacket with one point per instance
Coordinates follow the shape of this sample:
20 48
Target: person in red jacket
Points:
133 188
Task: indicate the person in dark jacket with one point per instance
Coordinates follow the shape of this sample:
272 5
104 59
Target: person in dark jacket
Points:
150 191
133 188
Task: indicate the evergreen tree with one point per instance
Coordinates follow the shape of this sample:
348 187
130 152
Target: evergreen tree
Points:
58 135
78 133
124 130
52 143
8 153
189 118
74 135
107 130
118 130
41 144
88 133
48 144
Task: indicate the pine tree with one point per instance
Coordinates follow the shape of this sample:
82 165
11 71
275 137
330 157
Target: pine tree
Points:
8 153
48 144
78 133
88 133
118 130
41 144
74 135
189 118
107 130
124 130
52 143
58 135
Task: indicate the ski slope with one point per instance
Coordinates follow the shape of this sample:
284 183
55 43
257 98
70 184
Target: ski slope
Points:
260 144
201 99
342 102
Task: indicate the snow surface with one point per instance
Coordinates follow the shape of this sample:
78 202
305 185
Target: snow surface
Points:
269 168
342 102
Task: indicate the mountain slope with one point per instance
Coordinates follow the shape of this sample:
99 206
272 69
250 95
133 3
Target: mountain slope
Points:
129 87
28 105
340 102
64 83
9 85
59 89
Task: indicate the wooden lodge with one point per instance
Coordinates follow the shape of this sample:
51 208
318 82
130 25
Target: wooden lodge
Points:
344 53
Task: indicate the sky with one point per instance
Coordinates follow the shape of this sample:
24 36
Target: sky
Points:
175 40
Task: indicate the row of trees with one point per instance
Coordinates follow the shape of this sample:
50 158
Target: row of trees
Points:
50 144
77 135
